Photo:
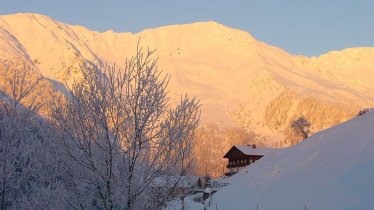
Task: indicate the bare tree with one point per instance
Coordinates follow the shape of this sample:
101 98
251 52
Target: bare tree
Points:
301 126
26 178
121 137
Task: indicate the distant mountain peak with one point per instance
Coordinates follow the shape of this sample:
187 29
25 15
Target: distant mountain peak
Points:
211 25
241 81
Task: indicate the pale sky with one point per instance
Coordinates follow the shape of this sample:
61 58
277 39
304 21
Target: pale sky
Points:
309 27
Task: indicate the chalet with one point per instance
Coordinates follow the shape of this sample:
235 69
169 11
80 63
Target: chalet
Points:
240 156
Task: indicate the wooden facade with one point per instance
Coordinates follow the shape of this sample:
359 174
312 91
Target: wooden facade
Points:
241 156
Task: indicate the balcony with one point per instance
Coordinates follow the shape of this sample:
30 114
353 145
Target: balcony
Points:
239 163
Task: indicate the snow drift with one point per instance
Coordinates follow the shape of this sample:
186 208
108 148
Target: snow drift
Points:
331 170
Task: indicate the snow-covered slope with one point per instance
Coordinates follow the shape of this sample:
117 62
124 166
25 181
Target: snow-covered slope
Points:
331 170
240 81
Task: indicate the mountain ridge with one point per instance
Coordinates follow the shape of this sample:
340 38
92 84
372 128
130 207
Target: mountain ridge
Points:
37 16
240 81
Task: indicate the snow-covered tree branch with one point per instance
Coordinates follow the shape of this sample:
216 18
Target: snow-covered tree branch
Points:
28 178
126 147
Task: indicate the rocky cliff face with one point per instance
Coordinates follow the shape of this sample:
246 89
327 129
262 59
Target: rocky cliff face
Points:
242 83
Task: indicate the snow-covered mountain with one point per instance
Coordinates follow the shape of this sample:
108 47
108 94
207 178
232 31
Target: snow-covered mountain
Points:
240 81
332 169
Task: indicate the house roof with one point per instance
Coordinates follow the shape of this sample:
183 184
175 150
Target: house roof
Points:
249 150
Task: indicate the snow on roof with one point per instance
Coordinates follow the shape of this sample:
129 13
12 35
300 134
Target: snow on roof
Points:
249 150
207 190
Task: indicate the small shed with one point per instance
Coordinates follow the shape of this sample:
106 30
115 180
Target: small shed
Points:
203 182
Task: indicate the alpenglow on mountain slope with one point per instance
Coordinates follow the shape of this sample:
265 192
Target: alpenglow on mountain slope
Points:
240 81
332 170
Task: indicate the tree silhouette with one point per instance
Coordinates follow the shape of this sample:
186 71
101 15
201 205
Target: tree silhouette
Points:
301 126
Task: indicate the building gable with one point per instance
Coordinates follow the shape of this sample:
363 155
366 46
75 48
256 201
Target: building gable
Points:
234 153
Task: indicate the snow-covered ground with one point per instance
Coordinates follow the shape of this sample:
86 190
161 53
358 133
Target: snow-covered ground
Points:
192 202
332 170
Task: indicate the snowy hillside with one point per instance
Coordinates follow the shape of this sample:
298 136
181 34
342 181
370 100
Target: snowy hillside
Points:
250 91
240 81
332 170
